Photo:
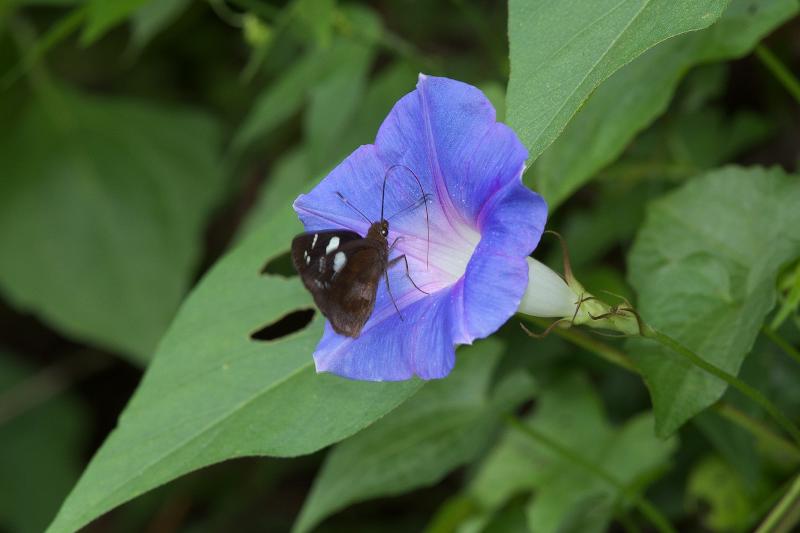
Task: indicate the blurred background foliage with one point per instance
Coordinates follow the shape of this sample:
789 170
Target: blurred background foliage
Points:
141 139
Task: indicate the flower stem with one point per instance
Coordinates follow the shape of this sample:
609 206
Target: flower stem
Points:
779 70
786 514
647 509
590 344
730 379
782 343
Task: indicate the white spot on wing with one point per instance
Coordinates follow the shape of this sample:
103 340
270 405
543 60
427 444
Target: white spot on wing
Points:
332 245
308 259
339 261
314 242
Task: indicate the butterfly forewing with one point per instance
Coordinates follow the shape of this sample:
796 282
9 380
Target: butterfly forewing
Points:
342 270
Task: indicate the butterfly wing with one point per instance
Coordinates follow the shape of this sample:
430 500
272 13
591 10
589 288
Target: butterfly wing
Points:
342 271
309 251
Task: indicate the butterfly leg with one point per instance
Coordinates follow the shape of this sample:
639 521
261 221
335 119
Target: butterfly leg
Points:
408 274
389 289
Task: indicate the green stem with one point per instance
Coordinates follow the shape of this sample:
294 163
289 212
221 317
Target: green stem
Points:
590 344
47 383
758 430
621 359
647 509
786 514
782 343
779 70
57 33
730 379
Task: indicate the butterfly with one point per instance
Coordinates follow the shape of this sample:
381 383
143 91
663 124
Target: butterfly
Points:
342 270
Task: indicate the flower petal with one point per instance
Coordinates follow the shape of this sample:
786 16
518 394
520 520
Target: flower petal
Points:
446 132
497 275
392 348
468 252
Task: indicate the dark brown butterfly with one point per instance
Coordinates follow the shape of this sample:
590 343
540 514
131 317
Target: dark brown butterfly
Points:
342 270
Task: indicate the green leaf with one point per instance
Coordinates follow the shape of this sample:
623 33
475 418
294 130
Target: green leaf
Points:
102 206
332 104
213 393
316 19
382 93
290 176
445 425
40 450
102 15
287 95
345 114
639 92
153 17
565 493
715 485
689 143
704 265
14 3
561 51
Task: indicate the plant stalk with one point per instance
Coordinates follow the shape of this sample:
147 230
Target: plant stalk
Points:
619 358
779 70
786 514
753 394
781 343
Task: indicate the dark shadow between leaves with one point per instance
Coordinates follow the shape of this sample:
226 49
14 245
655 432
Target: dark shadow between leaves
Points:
280 265
286 325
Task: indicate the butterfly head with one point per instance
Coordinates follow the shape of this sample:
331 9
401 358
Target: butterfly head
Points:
379 230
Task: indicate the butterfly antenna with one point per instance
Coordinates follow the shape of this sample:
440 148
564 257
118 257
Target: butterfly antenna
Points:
415 205
424 198
354 208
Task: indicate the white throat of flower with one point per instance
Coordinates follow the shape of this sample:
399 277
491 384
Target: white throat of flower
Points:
447 255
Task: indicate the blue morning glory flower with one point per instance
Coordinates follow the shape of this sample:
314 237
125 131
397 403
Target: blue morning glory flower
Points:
483 224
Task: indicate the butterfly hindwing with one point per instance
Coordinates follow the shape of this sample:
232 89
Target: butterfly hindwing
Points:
353 289
342 270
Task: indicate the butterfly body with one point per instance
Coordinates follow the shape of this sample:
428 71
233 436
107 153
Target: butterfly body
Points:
342 270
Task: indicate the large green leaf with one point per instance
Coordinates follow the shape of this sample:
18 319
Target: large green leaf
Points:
445 425
102 206
561 51
213 393
40 450
704 265
566 495
639 92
